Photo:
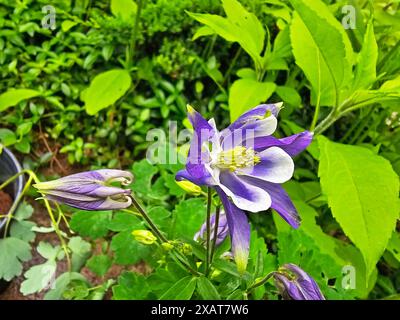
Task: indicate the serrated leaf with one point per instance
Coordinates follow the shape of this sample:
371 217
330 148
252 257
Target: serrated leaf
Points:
23 212
128 250
321 49
91 224
99 264
13 252
362 191
123 221
105 89
131 286
23 230
189 215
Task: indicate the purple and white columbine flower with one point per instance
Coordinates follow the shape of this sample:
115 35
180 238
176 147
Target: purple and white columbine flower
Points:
296 284
222 231
246 166
90 190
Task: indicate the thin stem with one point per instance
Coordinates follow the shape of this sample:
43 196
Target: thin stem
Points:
146 217
261 282
214 240
15 205
135 29
208 228
54 222
318 106
327 122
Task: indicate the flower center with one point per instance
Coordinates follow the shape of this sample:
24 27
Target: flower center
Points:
236 158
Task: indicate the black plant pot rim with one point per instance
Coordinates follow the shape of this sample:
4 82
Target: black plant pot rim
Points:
19 180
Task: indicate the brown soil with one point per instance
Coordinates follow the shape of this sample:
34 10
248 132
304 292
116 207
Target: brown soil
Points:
5 203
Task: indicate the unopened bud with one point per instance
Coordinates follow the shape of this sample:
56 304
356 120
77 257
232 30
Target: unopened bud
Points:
144 236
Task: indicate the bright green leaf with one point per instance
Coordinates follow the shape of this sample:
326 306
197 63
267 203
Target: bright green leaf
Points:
245 94
12 253
105 89
14 96
362 191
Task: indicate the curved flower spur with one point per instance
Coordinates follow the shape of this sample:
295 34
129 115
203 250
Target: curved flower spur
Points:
246 166
296 284
90 190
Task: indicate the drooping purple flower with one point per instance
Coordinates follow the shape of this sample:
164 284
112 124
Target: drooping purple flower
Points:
295 284
222 231
246 166
90 190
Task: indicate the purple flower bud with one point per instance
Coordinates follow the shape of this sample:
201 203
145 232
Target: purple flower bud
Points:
296 284
221 233
90 190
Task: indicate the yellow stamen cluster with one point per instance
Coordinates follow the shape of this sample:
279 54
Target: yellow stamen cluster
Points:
236 158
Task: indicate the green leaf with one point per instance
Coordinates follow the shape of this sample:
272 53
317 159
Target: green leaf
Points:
91 224
239 26
124 221
105 89
20 228
125 9
7 137
289 95
144 172
321 49
99 264
14 96
128 250
131 286
182 290
365 72
13 252
189 215
61 284
39 277
81 250
206 289
362 191
245 94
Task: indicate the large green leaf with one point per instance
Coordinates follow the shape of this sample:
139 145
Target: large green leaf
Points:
365 72
14 96
105 89
245 94
321 49
240 26
362 191
125 9
13 252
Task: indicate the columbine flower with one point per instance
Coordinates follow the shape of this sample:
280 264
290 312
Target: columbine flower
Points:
295 284
246 166
222 231
90 190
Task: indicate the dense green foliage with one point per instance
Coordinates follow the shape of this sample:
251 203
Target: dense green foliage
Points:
91 89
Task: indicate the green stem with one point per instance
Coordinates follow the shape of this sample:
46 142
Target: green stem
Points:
208 229
261 282
146 217
214 240
140 4
175 254
327 122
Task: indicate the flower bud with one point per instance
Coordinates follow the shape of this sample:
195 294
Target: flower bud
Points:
90 190
144 236
189 187
296 284
221 233
167 246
